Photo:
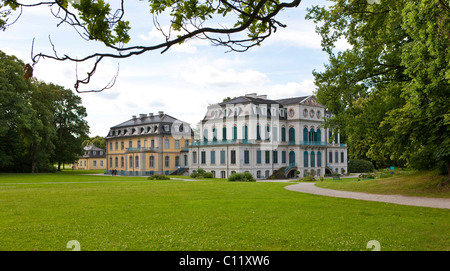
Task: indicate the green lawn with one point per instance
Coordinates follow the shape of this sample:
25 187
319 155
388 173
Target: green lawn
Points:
419 184
45 211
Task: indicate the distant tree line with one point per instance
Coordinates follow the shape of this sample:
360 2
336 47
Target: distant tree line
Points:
41 124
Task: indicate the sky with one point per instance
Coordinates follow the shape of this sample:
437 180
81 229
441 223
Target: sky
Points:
184 80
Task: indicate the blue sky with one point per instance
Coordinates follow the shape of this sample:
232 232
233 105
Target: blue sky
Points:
183 81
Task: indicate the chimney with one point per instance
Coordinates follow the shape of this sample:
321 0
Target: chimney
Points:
150 114
251 95
262 97
161 113
142 116
134 117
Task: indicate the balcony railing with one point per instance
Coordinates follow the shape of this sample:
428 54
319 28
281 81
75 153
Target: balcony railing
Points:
142 149
219 142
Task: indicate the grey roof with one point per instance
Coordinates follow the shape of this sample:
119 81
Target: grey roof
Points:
294 100
245 99
142 120
92 147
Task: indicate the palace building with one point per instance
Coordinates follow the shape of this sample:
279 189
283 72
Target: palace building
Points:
149 144
93 158
280 138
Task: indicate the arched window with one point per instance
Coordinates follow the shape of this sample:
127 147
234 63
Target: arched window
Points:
313 159
305 159
312 135
291 135
291 158
283 134
319 159
318 136
305 134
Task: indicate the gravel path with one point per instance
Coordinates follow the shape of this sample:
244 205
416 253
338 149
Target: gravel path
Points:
311 188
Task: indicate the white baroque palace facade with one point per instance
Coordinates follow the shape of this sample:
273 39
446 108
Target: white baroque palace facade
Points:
267 138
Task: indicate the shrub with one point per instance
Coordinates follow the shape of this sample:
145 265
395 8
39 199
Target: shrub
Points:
241 177
201 173
360 166
158 177
308 178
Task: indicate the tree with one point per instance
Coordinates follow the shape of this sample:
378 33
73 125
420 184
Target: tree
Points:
71 127
97 20
98 141
390 91
38 121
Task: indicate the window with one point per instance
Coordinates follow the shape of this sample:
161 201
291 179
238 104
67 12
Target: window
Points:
116 162
185 157
214 134
234 133
222 174
246 157
330 157
110 146
177 161
319 159
166 143
275 134
131 162
203 154
283 134
267 156
110 162
222 157
213 157
167 161
245 132
94 163
258 174
151 161
186 143
305 159
138 143
258 132
291 135
275 157
342 157
224 133
136 161
101 163
152 143
177 144
267 135
305 134
283 157
122 145
336 157
205 135
233 157
313 159
258 157
194 157
130 144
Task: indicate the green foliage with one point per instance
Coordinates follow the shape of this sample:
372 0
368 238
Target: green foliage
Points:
241 177
39 123
201 173
158 177
360 166
390 91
